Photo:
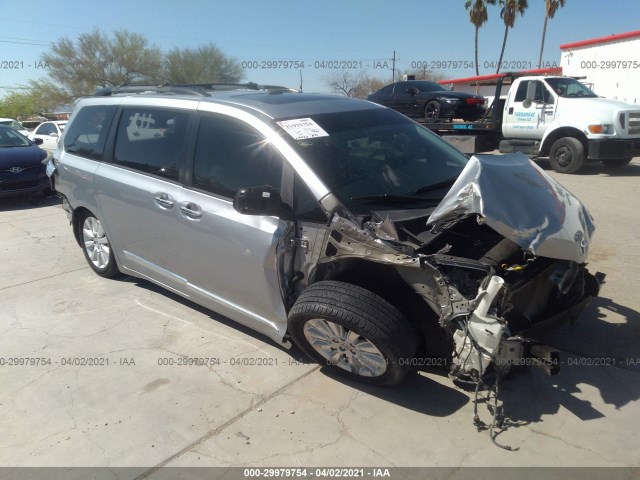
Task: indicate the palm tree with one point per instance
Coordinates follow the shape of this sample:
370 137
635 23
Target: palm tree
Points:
508 13
478 16
552 7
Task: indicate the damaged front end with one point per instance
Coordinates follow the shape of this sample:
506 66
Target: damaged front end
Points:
501 257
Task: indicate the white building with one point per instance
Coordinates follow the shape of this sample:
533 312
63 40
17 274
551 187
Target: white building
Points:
610 66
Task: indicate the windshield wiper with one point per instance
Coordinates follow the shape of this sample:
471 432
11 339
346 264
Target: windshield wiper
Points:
392 198
444 183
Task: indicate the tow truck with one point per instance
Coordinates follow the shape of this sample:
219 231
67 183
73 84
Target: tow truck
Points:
550 116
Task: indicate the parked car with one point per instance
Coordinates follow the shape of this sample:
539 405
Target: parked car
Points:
429 101
21 167
16 125
50 133
333 223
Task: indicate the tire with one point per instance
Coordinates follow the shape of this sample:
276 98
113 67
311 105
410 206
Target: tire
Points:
96 247
567 155
432 111
339 325
617 163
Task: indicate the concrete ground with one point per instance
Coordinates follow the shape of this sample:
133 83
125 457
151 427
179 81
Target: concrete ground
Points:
135 409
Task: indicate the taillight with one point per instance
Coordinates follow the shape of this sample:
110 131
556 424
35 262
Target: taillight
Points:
475 101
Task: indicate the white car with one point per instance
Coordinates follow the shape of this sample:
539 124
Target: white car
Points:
50 132
16 125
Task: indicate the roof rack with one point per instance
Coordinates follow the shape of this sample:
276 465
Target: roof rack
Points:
200 89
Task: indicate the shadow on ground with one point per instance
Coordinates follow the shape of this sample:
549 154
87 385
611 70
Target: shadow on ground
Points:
594 345
28 202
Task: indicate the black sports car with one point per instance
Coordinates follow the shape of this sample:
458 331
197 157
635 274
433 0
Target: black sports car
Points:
429 100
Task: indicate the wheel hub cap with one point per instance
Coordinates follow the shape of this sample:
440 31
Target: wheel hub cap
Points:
95 242
345 348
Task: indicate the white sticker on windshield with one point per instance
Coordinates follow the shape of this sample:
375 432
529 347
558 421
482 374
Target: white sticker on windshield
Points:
302 128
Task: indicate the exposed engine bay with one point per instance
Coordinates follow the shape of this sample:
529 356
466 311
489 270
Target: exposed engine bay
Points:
493 265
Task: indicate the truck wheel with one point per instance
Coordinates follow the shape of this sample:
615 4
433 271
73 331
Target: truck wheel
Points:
432 111
353 332
567 155
616 163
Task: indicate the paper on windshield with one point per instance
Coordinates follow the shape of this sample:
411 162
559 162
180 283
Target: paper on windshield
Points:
302 128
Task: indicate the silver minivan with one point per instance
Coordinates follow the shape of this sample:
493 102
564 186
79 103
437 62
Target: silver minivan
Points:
332 223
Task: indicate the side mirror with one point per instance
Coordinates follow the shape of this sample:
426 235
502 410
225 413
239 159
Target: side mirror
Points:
53 135
261 200
531 94
38 141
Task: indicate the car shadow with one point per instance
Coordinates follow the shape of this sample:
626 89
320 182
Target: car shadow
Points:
527 394
418 393
28 202
598 358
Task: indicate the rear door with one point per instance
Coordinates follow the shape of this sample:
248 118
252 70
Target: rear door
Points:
140 189
228 258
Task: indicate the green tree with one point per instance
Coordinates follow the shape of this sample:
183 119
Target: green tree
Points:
478 16
508 13
205 64
98 60
551 7
23 104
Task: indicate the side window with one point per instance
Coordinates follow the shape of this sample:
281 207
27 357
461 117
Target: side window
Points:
46 129
151 141
87 134
386 90
542 93
521 94
306 206
230 155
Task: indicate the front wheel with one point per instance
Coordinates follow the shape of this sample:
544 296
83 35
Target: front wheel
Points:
616 163
567 155
96 247
353 332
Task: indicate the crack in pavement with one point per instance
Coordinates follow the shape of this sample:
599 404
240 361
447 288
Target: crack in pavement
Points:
226 424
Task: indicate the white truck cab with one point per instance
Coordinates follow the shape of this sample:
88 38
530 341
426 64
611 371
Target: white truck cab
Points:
561 118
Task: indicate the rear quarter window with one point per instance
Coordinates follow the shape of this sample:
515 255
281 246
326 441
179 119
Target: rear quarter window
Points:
87 134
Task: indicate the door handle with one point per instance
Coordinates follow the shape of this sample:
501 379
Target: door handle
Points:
164 200
191 210
510 110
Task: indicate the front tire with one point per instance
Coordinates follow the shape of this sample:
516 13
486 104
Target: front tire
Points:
616 163
567 155
96 247
353 332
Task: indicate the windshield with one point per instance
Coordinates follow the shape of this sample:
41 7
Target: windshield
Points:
12 124
377 157
10 138
569 88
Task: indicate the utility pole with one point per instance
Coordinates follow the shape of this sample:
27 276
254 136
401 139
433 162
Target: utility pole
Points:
300 80
394 67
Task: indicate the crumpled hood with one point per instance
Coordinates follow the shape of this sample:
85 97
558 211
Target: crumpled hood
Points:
520 201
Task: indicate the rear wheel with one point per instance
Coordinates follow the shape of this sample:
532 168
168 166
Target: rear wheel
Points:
96 247
567 155
432 111
353 332
616 163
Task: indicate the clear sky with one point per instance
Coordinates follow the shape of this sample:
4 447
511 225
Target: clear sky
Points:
343 33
